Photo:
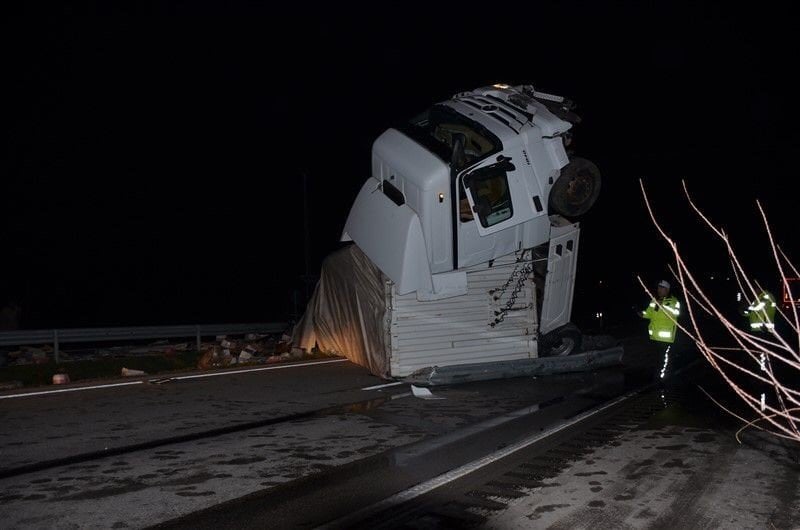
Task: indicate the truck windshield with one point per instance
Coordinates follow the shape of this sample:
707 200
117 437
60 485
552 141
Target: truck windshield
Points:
440 127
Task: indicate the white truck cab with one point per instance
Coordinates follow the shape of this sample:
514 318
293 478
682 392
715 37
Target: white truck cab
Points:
469 180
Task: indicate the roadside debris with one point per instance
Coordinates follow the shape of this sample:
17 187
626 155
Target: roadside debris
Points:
220 352
250 349
423 393
284 345
129 372
60 379
256 347
29 355
10 385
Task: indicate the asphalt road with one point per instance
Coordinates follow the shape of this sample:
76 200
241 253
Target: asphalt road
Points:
306 446
600 457
42 427
666 458
315 422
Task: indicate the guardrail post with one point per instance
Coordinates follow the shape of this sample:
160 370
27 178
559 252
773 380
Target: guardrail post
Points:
197 330
55 345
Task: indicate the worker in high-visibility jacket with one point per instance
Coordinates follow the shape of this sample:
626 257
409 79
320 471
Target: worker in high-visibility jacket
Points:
663 312
761 312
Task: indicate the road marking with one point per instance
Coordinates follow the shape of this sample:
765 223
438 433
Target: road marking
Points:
376 387
69 390
110 385
466 469
247 370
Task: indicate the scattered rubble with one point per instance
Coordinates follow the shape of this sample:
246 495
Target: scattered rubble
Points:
28 355
252 348
61 379
10 385
224 351
129 372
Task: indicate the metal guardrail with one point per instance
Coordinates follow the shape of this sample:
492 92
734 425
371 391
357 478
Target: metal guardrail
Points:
78 335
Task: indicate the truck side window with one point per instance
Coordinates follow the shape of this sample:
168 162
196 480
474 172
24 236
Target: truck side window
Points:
491 195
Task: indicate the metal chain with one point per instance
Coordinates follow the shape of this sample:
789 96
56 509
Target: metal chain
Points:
523 276
511 278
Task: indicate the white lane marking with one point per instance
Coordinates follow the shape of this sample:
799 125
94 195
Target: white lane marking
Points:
60 390
248 370
376 387
457 473
110 385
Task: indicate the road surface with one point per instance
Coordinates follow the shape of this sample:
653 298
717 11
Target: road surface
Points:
327 444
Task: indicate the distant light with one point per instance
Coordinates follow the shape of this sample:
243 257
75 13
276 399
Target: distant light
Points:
712 277
728 279
441 197
501 86
738 297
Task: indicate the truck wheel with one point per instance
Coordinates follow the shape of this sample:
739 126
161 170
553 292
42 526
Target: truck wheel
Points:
565 340
576 190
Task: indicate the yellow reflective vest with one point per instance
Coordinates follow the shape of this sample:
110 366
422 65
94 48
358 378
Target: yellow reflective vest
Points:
663 315
761 313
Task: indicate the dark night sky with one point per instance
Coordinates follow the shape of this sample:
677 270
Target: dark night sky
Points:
152 160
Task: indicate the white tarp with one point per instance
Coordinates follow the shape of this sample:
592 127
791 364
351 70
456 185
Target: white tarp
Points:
347 312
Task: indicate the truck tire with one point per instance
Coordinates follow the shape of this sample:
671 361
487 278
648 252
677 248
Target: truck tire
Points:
576 190
565 340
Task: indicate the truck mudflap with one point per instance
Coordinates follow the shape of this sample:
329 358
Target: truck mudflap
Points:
466 373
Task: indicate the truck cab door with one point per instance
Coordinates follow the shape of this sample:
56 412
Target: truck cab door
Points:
496 195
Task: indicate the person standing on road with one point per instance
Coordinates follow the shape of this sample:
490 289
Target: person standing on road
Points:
662 312
761 312
761 315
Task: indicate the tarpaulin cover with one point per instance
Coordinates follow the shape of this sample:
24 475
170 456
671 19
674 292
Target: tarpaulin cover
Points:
346 313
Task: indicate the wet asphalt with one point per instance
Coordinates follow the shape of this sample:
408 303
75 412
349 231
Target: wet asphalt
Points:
325 448
318 419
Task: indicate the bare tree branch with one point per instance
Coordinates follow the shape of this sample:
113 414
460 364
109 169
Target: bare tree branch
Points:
753 355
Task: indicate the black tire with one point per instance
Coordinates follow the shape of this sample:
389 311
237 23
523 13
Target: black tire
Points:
565 340
576 190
